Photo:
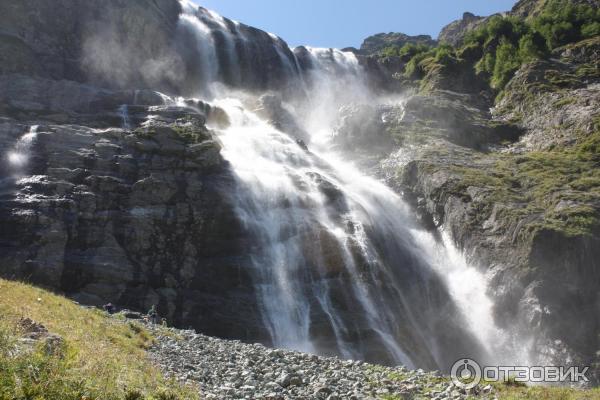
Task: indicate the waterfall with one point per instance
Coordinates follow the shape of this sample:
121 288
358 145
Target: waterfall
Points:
206 48
339 264
124 112
336 266
18 157
228 52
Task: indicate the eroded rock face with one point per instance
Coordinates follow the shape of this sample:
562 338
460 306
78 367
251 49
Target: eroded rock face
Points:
544 275
378 130
140 44
454 33
135 217
552 116
84 40
543 283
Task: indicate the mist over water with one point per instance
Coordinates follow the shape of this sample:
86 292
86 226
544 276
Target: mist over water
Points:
339 264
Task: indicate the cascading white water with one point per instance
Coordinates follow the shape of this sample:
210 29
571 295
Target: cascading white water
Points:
339 264
228 52
125 120
19 156
281 201
206 44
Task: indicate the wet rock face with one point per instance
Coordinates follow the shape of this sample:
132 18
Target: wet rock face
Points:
376 130
139 43
365 126
271 108
135 217
217 49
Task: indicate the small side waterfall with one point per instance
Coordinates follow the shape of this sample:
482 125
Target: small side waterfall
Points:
340 266
125 120
19 156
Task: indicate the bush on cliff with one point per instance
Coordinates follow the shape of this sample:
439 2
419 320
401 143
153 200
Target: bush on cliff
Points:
562 22
499 47
405 52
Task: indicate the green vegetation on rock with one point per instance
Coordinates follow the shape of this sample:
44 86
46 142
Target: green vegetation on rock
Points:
559 184
501 45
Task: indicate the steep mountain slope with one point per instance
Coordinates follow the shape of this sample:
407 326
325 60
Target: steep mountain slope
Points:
517 187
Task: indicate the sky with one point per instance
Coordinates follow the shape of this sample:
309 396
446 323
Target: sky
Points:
345 23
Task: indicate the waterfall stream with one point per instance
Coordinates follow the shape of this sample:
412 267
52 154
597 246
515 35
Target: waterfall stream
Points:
19 156
339 264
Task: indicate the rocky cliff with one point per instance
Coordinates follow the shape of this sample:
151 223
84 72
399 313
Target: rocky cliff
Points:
100 42
454 32
103 208
110 191
114 192
513 180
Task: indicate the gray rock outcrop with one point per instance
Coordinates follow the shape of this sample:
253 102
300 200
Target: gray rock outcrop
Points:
455 32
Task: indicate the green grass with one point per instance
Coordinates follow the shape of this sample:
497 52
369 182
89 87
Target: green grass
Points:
536 182
101 357
510 391
564 102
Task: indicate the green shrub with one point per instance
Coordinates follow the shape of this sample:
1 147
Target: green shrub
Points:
445 55
590 29
406 52
502 44
532 46
562 22
414 68
133 395
507 62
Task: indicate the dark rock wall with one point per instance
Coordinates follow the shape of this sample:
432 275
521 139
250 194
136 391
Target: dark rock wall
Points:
114 42
133 217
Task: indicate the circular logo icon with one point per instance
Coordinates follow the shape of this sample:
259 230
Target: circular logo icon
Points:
466 373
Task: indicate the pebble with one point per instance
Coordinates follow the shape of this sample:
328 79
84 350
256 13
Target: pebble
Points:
225 369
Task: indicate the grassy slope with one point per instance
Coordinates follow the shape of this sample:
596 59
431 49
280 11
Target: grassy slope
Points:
512 392
102 358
